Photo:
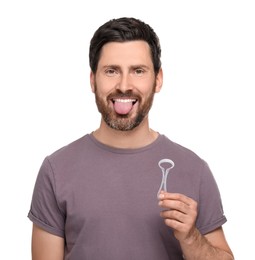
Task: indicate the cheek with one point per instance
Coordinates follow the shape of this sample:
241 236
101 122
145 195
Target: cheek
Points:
104 86
148 89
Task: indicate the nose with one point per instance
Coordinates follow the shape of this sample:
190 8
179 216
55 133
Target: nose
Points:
124 84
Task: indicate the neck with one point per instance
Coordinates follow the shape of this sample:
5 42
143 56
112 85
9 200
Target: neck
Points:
140 136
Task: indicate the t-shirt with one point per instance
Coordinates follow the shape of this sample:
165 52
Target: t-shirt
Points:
103 200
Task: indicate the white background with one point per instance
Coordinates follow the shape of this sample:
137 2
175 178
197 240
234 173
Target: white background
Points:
206 104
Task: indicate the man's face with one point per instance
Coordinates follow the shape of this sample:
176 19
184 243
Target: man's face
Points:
125 83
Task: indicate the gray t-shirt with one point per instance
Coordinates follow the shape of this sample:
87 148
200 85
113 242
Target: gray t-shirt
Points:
103 200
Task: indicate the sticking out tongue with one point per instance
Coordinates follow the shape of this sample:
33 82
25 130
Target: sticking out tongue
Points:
123 107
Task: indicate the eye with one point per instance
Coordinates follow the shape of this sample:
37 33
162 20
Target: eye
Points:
139 71
111 72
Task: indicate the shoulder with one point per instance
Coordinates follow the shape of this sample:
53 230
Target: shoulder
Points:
71 150
77 144
178 149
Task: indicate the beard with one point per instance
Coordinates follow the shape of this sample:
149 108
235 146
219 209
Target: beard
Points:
124 122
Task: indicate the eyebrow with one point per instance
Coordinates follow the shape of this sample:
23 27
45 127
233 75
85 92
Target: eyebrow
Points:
130 67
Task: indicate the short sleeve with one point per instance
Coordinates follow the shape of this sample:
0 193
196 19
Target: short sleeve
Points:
211 214
44 210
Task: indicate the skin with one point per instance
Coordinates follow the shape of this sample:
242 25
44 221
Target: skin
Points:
128 67
126 60
180 213
46 246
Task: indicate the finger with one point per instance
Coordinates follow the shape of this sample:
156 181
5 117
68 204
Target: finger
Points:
174 196
174 215
174 205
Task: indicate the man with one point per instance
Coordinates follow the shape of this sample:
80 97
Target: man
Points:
126 191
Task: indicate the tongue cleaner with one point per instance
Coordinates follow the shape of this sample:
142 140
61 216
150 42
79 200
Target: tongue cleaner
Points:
165 170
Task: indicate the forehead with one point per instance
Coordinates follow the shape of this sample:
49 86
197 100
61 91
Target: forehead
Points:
131 53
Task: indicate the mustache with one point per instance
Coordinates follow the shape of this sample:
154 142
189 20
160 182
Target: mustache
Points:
127 94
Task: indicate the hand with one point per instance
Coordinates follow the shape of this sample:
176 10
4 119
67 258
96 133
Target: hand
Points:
180 214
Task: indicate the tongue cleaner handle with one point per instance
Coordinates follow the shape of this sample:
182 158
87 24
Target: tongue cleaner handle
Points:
165 172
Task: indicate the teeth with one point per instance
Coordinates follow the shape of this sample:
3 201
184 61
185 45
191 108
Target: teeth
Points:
125 100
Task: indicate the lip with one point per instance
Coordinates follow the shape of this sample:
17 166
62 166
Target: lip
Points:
124 100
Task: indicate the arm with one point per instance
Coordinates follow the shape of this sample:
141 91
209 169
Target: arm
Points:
46 246
180 214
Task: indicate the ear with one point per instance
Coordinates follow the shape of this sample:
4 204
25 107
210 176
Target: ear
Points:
159 81
92 81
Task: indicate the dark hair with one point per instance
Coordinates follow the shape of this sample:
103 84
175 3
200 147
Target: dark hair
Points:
122 30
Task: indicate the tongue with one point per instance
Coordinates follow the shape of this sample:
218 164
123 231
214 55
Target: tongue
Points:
122 108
